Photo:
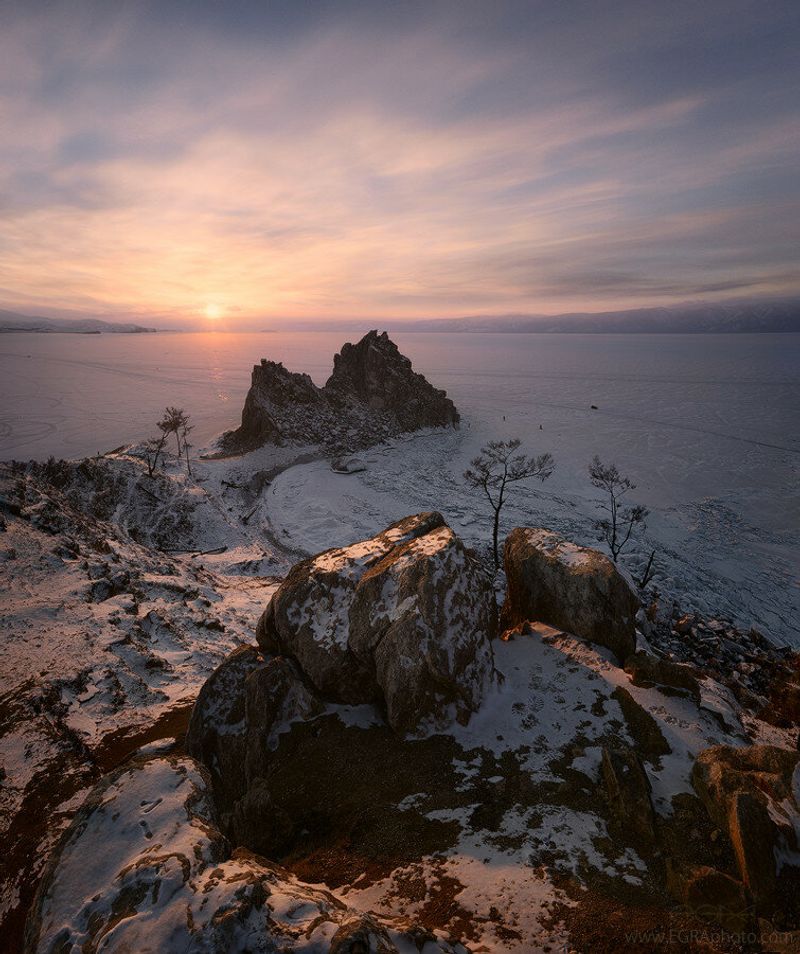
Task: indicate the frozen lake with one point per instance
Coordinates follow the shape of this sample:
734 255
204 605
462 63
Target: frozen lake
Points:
690 414
708 426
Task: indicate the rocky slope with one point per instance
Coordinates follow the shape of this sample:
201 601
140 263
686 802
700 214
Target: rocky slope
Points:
372 394
163 878
591 793
119 595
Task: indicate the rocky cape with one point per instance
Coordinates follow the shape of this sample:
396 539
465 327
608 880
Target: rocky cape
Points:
419 784
372 394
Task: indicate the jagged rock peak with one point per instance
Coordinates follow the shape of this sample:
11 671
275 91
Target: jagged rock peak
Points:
368 367
372 394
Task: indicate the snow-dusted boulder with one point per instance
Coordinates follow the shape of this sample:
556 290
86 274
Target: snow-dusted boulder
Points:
143 867
753 794
348 465
574 588
241 710
403 619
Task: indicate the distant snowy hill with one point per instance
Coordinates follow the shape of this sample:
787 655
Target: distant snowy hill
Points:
694 318
13 321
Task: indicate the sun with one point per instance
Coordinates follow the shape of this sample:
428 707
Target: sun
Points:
213 312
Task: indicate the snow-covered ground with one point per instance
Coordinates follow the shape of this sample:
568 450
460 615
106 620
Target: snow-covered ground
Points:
113 613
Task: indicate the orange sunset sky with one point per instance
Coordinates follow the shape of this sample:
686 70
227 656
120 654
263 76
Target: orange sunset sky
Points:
240 162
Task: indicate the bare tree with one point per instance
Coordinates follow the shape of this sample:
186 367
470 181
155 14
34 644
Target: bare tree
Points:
173 422
186 430
616 529
499 465
648 574
152 452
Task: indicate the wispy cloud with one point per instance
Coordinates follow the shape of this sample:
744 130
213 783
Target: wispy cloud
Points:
344 161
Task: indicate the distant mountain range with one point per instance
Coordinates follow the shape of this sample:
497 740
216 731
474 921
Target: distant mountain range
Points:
732 317
13 321
694 318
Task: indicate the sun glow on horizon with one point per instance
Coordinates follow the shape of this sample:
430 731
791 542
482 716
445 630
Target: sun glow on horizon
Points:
467 164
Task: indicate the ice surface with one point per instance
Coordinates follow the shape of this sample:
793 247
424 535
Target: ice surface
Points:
706 425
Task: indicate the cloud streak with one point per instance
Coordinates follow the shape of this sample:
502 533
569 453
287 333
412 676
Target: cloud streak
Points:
351 161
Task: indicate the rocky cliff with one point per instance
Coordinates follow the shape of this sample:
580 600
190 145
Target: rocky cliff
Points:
373 393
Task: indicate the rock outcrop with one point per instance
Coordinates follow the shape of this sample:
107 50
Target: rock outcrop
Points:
713 895
241 710
643 728
403 620
143 867
574 588
373 394
627 790
752 793
646 670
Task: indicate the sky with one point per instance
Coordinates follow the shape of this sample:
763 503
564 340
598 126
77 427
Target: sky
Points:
234 163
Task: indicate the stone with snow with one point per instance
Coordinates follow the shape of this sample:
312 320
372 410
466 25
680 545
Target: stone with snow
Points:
143 867
241 710
646 669
576 589
643 728
373 393
348 465
403 620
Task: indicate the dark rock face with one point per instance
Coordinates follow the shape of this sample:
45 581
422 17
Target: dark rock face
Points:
374 373
627 791
715 896
372 394
648 670
235 723
751 793
573 588
404 620
642 726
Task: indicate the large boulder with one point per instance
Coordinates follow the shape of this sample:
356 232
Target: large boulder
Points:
573 588
753 794
143 867
372 394
403 620
242 709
